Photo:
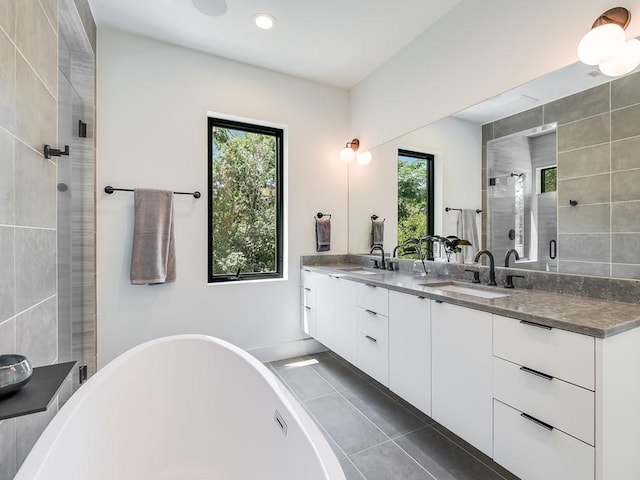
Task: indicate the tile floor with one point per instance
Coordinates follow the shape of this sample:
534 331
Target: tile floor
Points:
375 434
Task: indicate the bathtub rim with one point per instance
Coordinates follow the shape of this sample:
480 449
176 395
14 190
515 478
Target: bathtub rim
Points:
41 451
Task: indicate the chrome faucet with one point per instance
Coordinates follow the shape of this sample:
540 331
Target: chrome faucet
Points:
492 265
509 252
382 262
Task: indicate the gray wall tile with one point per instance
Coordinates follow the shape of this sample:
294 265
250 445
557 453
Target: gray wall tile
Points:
36 108
594 247
625 271
625 217
8 17
37 41
7 273
585 161
625 186
51 10
8 465
7 167
8 338
578 106
487 133
584 133
583 219
518 122
29 428
585 268
625 91
625 123
37 333
35 266
625 248
625 154
586 190
87 21
35 189
7 84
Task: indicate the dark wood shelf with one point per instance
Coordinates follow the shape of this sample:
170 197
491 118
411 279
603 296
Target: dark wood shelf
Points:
36 395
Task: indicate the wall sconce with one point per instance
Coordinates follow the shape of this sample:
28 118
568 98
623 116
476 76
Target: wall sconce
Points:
605 44
348 153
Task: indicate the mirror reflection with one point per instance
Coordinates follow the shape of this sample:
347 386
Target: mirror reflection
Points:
565 194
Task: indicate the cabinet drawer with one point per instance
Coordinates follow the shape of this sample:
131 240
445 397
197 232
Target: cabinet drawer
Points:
561 354
309 321
308 297
565 406
373 324
307 278
372 356
532 452
373 298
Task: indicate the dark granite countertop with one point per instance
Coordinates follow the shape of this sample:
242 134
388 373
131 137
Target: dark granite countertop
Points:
590 316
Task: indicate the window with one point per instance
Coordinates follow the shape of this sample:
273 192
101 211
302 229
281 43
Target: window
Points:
245 201
415 195
548 179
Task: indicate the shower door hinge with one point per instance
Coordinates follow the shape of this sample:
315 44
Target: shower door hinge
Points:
83 373
82 129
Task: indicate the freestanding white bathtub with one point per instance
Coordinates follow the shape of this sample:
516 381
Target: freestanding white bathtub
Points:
188 407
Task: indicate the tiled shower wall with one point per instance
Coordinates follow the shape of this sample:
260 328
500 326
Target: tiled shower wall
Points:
28 120
599 166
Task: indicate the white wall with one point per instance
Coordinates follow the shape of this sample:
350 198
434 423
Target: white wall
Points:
152 103
373 188
478 50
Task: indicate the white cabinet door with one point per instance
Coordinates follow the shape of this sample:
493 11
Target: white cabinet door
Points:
324 309
462 372
344 322
410 349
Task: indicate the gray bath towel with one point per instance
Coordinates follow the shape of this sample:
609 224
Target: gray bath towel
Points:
323 234
377 232
153 258
468 230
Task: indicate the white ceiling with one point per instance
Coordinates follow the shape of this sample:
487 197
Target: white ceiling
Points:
336 42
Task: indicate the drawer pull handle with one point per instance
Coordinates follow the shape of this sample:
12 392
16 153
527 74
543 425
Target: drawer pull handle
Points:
308 308
438 301
307 289
537 325
536 373
536 421
371 338
371 312
370 285
421 298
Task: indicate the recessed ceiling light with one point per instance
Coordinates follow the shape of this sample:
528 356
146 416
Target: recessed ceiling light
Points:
213 8
264 20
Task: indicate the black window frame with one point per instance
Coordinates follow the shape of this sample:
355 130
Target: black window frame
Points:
543 182
430 160
278 133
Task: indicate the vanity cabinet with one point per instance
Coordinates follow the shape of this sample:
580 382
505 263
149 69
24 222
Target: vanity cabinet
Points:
372 342
461 383
344 322
410 349
544 400
308 296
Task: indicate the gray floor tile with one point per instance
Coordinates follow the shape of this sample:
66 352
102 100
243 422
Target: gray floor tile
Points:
348 427
350 472
338 374
444 459
387 414
303 380
388 462
426 419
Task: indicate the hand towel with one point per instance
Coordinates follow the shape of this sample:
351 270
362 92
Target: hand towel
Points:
468 230
153 258
377 232
323 234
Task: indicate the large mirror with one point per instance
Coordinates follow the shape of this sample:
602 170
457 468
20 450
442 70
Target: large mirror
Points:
553 165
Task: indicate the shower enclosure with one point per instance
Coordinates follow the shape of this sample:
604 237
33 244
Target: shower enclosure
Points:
522 197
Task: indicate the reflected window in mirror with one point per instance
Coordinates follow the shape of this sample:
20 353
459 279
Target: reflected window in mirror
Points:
548 179
415 195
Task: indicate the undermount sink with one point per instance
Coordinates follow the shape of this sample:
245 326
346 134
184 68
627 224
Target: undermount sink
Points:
465 290
358 271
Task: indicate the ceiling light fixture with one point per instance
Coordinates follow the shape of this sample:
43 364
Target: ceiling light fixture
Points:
212 8
348 153
264 21
605 45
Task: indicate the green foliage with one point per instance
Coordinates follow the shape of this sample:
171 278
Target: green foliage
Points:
244 202
549 179
412 199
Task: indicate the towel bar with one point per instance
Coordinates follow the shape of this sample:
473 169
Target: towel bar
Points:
109 189
448 209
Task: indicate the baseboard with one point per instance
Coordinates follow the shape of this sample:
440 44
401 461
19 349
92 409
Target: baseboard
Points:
296 348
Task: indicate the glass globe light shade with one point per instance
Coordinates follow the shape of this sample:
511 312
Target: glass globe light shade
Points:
347 154
601 44
627 58
364 158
